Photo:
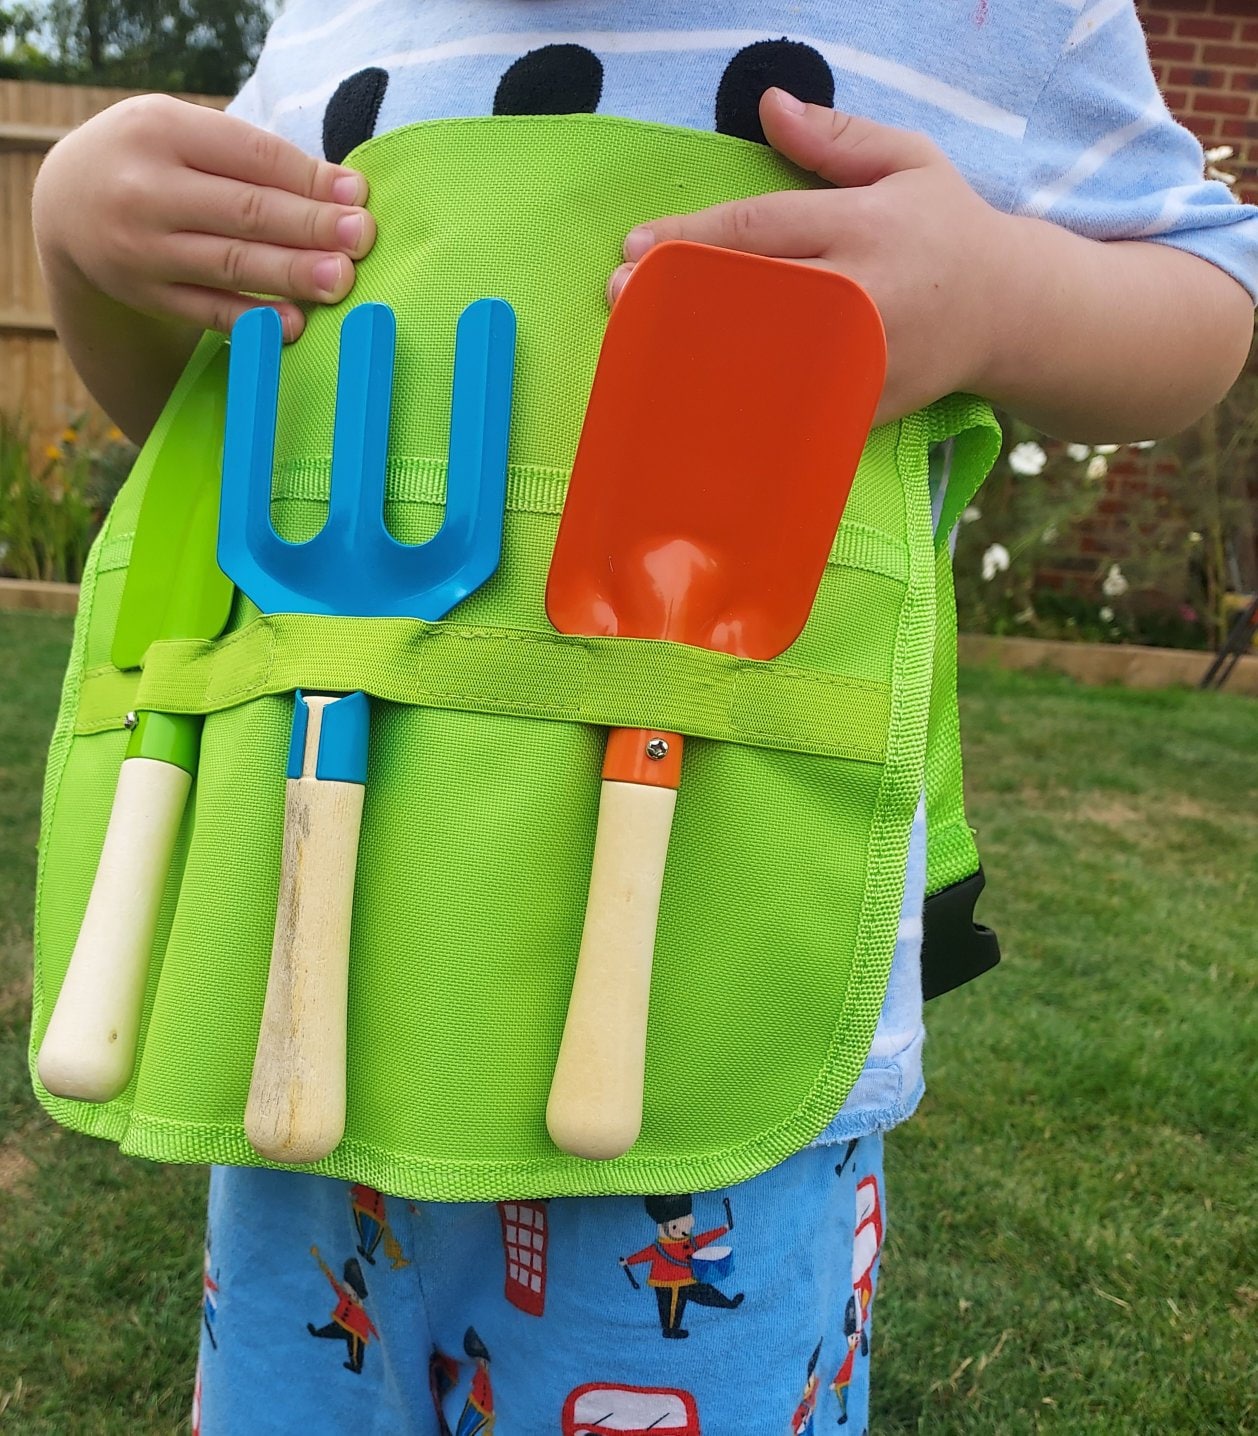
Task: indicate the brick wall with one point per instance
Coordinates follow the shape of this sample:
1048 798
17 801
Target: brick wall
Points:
1205 55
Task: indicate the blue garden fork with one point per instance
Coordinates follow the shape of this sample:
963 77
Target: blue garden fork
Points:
352 567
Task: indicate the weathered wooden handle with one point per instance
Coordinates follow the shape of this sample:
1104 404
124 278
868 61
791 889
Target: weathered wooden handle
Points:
595 1107
296 1106
89 1048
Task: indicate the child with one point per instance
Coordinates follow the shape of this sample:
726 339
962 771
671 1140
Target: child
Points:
1007 184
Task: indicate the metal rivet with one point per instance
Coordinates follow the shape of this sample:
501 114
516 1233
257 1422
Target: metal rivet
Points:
656 749
132 720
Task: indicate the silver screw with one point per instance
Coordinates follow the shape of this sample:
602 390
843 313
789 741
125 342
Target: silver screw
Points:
656 749
132 720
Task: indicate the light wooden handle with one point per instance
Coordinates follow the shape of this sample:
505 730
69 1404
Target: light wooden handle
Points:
88 1051
595 1107
296 1106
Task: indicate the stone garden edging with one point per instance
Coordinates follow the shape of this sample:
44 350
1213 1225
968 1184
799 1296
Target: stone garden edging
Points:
1127 664
32 595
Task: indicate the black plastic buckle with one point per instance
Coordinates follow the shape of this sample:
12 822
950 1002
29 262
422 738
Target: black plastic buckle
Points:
955 949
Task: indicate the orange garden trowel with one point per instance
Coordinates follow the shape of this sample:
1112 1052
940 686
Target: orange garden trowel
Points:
730 407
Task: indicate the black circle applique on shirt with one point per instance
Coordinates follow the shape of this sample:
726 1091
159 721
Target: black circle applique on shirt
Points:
566 79
553 80
352 112
786 64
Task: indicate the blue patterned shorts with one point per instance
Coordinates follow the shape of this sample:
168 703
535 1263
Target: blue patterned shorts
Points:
330 1308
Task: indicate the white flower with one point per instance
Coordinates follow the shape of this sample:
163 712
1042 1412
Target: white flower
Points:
1077 452
1050 534
1098 467
1114 585
1214 157
1027 459
1108 448
1107 614
1027 615
1145 444
971 515
995 560
1194 537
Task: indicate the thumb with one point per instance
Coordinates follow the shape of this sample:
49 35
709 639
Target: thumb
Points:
844 149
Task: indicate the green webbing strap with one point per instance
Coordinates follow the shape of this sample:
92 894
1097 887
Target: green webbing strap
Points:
611 682
952 852
976 440
955 949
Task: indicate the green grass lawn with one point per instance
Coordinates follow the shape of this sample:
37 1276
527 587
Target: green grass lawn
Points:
1073 1243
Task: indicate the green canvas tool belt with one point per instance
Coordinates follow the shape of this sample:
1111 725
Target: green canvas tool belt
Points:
786 868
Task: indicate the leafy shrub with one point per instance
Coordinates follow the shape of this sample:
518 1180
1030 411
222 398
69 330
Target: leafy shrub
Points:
50 511
1152 538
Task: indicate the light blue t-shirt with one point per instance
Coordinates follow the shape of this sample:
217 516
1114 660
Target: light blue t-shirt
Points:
1047 107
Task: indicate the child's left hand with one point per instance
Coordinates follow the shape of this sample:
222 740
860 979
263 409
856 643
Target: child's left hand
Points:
902 222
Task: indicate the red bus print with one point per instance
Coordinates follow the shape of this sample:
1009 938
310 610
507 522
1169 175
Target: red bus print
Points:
598 1409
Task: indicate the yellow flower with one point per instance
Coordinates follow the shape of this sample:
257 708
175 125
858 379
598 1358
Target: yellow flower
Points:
70 436
114 435
53 451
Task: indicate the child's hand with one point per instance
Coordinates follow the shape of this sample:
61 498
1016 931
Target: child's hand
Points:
903 223
181 212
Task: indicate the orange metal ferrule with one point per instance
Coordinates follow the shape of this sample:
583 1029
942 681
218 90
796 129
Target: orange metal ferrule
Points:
629 757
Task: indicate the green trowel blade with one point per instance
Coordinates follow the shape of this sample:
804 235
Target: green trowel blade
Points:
174 587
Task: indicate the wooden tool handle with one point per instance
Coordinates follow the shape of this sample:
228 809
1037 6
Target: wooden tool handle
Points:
296 1106
88 1051
595 1107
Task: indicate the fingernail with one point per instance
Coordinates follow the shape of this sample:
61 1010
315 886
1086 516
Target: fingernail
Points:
349 231
620 277
637 242
327 275
288 326
786 101
349 188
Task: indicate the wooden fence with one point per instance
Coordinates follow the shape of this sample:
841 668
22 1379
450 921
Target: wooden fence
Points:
37 381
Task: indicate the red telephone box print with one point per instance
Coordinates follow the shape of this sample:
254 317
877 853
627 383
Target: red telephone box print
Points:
599 1409
524 1240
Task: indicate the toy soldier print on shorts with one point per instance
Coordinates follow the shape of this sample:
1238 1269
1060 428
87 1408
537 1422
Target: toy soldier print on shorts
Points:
371 1222
350 1322
477 1417
196 1403
209 1296
806 1411
866 1244
443 1377
683 1267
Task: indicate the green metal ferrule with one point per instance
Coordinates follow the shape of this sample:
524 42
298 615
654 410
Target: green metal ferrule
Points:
168 738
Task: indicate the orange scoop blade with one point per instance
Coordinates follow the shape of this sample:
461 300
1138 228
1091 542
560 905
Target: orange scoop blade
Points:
730 407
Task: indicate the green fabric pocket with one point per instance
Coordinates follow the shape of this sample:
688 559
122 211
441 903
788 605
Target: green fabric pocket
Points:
786 867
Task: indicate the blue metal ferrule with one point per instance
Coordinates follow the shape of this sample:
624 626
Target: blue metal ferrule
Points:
342 753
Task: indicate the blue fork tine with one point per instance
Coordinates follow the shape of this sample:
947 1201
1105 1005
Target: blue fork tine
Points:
467 547
332 572
246 539
360 444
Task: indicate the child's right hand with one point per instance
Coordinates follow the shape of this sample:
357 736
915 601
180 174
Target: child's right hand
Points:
183 213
